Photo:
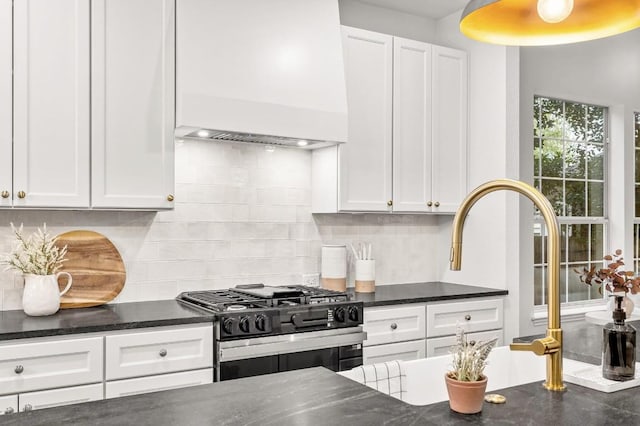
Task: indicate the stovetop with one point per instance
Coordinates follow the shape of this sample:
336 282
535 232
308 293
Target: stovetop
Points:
258 310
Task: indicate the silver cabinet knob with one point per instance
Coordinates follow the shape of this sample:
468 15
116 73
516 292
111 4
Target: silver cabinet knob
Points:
437 204
394 325
9 410
28 407
429 203
163 352
467 317
19 369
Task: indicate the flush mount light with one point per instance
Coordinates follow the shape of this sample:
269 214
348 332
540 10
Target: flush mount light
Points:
302 142
203 133
547 22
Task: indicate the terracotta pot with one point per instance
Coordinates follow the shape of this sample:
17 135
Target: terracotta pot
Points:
466 397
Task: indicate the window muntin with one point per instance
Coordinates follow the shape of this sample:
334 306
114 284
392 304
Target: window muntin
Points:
569 169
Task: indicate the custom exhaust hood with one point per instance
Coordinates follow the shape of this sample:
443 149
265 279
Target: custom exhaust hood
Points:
268 72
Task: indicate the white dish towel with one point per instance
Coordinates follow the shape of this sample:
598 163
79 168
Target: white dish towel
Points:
386 377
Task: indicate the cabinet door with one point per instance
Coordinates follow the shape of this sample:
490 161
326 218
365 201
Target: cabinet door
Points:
133 91
8 404
442 345
411 125
403 351
449 128
57 397
158 383
365 160
6 103
51 103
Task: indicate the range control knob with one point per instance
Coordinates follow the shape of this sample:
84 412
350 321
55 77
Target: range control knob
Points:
354 313
261 322
296 319
244 324
339 314
227 325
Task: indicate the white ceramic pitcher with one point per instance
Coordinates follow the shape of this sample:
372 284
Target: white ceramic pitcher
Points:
42 295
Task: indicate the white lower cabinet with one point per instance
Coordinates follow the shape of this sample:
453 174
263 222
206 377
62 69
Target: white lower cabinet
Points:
442 345
57 397
158 383
403 351
8 404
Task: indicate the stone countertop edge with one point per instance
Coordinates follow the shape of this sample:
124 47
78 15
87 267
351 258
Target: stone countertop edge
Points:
395 294
118 316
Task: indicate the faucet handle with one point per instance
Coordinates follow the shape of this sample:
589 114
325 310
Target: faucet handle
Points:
543 346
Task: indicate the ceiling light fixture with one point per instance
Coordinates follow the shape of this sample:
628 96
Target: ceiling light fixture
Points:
547 22
302 142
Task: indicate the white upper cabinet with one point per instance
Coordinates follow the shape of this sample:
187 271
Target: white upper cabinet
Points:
6 107
50 103
450 102
407 144
411 125
133 108
365 161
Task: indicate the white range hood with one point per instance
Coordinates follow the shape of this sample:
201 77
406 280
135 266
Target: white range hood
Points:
266 71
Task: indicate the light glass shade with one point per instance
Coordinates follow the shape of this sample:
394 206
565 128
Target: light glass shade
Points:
554 11
517 22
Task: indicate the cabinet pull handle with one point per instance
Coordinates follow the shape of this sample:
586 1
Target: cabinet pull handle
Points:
467 317
5 194
22 194
437 204
170 197
390 203
9 410
394 325
429 203
163 352
28 407
19 369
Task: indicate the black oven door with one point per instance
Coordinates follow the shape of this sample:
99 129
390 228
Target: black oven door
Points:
338 351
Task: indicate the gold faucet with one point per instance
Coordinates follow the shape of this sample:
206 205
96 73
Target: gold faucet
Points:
551 345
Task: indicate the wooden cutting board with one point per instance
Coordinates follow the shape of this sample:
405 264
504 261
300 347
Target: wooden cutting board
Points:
96 267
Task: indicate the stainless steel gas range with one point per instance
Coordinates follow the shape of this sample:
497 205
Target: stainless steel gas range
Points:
262 329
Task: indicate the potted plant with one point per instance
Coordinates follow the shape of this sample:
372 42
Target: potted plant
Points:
466 382
39 259
613 278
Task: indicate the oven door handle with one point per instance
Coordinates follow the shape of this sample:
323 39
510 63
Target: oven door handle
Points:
234 350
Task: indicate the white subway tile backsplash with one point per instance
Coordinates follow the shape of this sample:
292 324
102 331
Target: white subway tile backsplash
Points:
242 215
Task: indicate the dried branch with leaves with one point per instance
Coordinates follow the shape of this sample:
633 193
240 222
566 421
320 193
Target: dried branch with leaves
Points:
613 277
37 254
469 357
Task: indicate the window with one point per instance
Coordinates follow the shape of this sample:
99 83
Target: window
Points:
569 151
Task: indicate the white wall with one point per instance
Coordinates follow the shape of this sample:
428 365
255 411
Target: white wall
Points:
242 215
604 72
373 18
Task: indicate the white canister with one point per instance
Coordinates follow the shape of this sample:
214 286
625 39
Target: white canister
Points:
334 267
365 281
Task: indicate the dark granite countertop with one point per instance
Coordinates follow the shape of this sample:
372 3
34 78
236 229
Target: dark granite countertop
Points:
423 292
119 316
318 396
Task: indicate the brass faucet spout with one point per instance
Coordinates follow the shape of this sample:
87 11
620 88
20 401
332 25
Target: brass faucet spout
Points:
551 345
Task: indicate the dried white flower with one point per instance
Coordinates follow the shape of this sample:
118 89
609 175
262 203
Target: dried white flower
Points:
469 358
36 255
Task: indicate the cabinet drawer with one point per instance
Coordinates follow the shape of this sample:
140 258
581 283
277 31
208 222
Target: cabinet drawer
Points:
145 353
57 397
158 383
442 345
394 324
8 404
477 315
404 351
51 364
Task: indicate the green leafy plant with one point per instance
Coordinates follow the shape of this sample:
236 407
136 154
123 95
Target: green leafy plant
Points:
36 254
613 277
469 357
